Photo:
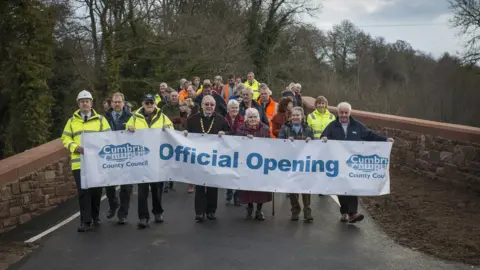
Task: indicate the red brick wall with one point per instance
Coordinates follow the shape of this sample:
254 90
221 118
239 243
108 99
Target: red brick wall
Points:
33 182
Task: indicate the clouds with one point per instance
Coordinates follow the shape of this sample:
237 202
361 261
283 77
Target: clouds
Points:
422 23
412 10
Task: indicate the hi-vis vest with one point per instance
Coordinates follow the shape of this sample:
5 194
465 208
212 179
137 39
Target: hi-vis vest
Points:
200 89
318 121
255 88
159 120
226 92
75 127
270 112
158 98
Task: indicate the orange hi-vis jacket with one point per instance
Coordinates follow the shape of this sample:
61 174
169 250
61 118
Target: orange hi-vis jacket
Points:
270 111
182 95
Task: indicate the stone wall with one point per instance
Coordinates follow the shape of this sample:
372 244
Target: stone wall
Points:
435 157
438 150
33 182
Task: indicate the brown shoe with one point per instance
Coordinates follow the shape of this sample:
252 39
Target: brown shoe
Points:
356 217
344 218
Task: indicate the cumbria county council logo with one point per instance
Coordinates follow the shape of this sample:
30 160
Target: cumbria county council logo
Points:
367 163
122 152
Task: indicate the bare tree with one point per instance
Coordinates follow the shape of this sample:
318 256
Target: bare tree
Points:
467 19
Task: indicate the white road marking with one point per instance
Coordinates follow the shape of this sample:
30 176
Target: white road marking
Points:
74 216
56 227
335 198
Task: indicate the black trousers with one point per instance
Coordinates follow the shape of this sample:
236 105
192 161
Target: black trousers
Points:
88 199
205 200
112 196
348 204
157 191
125 194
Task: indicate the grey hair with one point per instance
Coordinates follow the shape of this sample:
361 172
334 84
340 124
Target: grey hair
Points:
206 81
208 97
249 90
241 86
218 77
344 104
232 102
252 111
299 86
265 86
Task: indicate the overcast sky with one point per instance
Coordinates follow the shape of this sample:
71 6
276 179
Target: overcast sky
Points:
390 19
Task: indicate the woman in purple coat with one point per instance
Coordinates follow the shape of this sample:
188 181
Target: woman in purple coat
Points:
251 128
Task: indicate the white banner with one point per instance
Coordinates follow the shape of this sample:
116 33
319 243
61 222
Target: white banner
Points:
233 162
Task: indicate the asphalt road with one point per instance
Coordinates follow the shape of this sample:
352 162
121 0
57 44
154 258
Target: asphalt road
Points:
230 242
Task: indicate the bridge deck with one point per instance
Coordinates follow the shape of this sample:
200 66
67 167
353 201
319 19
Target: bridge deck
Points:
227 243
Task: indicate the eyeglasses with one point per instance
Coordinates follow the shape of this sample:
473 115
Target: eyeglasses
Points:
149 102
209 104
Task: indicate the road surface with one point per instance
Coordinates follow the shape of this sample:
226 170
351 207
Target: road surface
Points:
230 242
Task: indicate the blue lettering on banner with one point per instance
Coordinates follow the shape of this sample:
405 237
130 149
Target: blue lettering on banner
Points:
118 154
254 161
368 167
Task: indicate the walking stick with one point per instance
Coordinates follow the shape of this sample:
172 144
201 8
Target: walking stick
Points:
273 204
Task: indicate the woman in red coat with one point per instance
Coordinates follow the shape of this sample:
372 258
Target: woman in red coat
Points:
254 128
235 120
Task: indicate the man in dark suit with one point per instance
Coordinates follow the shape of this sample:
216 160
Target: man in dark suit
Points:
117 117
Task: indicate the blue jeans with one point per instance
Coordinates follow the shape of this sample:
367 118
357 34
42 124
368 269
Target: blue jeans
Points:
231 194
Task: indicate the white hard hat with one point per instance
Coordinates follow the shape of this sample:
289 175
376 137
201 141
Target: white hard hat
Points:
84 94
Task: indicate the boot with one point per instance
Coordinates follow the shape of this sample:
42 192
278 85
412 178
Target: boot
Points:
259 216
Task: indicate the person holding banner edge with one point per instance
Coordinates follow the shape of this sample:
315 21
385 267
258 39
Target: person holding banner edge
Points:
207 121
117 117
298 129
235 120
85 119
254 127
346 128
149 116
320 118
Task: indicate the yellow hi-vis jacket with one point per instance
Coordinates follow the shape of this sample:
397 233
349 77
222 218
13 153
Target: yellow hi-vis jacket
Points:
319 121
159 120
75 127
158 98
255 86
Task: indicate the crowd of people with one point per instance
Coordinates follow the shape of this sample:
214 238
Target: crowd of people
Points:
235 109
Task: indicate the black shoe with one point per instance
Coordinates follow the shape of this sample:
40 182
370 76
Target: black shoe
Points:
158 218
259 216
83 227
97 222
122 220
211 216
200 218
143 223
112 211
